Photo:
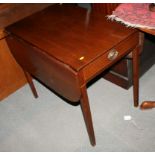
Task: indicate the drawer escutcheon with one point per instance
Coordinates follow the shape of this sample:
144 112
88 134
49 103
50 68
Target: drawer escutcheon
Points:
113 54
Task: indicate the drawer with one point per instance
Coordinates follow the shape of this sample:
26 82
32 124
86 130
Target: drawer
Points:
102 62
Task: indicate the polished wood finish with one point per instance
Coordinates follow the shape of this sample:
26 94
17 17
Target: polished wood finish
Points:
150 31
147 104
86 109
11 74
13 12
31 84
135 54
66 46
2 34
46 68
121 72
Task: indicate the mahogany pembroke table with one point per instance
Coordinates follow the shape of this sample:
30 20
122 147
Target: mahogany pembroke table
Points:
66 46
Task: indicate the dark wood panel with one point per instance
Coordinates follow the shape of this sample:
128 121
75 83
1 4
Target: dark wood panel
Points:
64 49
76 35
53 73
11 74
13 12
103 62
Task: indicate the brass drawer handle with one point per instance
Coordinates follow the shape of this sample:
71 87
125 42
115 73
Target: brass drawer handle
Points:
112 54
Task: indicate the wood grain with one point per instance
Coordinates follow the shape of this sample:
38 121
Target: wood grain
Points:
13 12
66 46
11 74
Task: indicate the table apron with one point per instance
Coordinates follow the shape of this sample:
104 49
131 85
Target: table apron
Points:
102 62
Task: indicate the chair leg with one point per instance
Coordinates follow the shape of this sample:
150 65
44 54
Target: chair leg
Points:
147 105
136 76
31 84
87 115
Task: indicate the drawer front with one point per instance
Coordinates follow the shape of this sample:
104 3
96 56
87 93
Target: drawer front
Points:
107 59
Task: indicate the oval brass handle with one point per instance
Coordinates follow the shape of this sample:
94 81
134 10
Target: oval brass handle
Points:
112 54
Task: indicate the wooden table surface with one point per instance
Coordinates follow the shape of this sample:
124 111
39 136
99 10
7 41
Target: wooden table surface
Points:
65 46
72 31
150 31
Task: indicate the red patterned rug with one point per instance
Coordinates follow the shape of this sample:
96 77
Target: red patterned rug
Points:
134 15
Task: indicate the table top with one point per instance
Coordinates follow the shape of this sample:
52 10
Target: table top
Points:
70 34
150 31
